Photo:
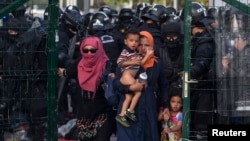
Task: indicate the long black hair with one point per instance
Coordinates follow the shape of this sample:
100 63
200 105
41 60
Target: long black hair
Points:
175 91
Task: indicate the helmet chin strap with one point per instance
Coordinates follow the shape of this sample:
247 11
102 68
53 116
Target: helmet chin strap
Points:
74 32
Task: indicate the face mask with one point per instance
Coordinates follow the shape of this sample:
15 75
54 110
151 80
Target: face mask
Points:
68 31
12 38
98 33
125 23
174 47
172 43
152 25
125 20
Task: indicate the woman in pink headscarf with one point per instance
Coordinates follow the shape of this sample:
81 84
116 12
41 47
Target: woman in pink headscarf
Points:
94 119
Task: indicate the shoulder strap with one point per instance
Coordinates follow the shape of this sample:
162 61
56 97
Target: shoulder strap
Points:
72 47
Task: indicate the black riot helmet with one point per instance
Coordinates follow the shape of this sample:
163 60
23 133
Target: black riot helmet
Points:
171 10
171 28
139 9
171 34
46 13
100 21
102 16
13 24
106 9
114 12
145 10
212 12
125 13
127 18
72 16
157 13
171 14
87 18
198 12
172 17
114 17
20 11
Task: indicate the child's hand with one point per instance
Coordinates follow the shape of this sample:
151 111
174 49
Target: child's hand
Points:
166 115
166 130
163 132
135 61
177 137
149 51
160 115
163 137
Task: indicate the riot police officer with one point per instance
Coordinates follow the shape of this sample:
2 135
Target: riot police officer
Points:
202 53
101 27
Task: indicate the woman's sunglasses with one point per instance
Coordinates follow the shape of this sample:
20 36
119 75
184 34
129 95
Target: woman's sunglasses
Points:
93 50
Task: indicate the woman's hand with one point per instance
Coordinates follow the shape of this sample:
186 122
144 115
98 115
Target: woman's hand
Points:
60 72
225 62
137 86
111 75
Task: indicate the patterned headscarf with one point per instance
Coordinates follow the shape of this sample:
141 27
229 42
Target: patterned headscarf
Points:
150 62
91 66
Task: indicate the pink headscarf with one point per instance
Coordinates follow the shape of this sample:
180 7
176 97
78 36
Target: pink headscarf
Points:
91 66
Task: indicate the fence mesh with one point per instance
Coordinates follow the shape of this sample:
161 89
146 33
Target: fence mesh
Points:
24 78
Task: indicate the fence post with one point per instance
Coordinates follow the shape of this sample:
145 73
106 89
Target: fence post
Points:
186 76
243 7
52 68
11 7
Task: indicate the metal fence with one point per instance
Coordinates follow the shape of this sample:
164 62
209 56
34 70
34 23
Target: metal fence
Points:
230 90
28 72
